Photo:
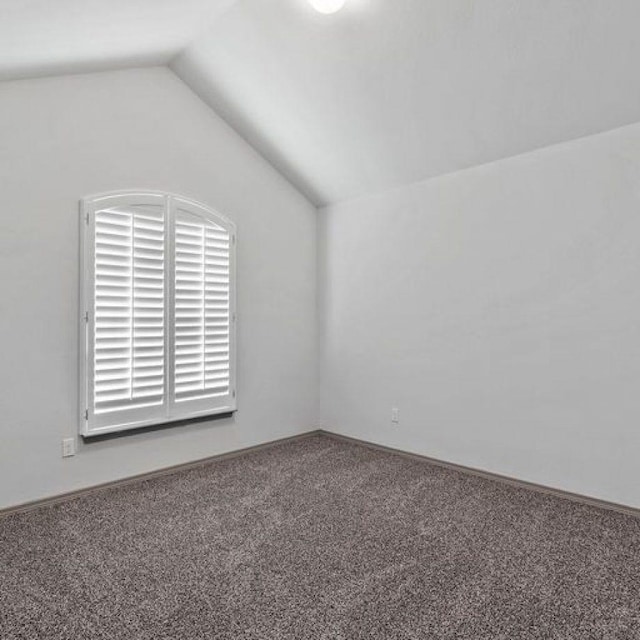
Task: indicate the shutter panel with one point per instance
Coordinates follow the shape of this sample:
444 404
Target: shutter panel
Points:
128 311
203 309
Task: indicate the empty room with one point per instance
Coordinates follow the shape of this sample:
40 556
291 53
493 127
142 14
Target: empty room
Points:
320 319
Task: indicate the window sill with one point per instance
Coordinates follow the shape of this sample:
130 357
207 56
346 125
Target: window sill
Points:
161 426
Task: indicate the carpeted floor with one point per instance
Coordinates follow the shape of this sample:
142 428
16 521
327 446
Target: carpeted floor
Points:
319 539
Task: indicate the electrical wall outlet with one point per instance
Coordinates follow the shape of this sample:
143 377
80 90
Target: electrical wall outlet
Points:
68 447
395 415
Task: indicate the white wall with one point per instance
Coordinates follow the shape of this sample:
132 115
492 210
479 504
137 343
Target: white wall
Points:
499 309
63 138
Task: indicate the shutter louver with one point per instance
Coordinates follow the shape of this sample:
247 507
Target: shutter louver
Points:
129 308
202 338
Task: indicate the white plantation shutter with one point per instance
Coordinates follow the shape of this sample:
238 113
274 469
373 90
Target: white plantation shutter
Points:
129 307
202 321
159 312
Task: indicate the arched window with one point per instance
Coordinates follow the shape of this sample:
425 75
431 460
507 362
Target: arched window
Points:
158 311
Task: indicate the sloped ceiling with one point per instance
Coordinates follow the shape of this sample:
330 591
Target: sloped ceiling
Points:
381 94
46 37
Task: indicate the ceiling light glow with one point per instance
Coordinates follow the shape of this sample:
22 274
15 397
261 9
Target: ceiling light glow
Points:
327 6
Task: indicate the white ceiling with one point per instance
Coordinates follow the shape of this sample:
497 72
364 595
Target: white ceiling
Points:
383 93
43 37
389 92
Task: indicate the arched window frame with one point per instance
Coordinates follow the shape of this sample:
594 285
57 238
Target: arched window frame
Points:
175 211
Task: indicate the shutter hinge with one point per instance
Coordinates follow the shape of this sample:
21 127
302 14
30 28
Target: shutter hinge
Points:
86 316
233 317
86 217
233 238
234 393
86 414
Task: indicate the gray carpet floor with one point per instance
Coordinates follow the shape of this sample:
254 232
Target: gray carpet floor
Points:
319 539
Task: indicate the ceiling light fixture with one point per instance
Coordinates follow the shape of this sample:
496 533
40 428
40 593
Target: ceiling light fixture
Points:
327 6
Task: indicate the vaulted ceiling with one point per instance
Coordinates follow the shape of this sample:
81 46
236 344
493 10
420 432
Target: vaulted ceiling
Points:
381 94
47 37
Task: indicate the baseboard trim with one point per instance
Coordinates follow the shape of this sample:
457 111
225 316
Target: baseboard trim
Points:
488 475
165 471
